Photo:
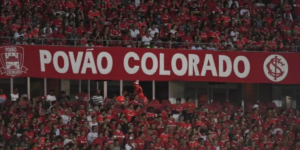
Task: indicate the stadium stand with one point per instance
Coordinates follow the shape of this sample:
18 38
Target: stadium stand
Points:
262 25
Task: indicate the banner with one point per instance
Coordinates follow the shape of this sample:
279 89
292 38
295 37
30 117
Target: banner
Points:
148 64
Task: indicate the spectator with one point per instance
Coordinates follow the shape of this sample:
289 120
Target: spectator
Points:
19 33
196 46
2 95
130 145
97 99
153 30
93 134
15 95
51 96
146 39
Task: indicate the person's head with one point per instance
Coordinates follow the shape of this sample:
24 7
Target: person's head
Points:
16 91
130 106
136 97
116 26
98 91
178 101
51 92
1 91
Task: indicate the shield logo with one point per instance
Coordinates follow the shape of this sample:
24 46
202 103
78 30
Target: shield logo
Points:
12 60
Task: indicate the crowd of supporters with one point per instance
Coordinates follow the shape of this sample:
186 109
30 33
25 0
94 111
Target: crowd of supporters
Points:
253 25
131 122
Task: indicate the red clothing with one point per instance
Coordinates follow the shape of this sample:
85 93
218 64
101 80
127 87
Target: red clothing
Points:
140 144
138 90
119 135
189 106
164 138
193 144
82 141
177 108
129 114
97 141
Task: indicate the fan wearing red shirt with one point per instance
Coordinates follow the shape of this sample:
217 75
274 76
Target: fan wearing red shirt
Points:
165 136
109 115
93 13
82 139
115 32
5 17
138 89
199 122
129 112
99 140
177 108
150 115
53 117
69 5
214 33
158 144
82 98
58 21
183 146
136 101
140 141
170 122
189 106
193 143
81 28
170 144
118 134
165 17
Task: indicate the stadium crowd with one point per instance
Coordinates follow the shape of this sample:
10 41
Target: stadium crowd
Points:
131 122
253 25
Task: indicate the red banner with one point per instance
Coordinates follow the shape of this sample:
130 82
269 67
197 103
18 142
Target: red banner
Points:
148 64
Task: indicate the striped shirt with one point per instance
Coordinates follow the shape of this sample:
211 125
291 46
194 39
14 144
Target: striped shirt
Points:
98 99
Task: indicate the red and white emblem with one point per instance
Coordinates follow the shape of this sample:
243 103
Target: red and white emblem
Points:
12 60
276 68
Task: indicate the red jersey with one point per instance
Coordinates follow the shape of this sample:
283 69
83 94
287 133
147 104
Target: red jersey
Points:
177 108
119 135
190 106
82 141
164 137
138 90
140 144
193 144
129 114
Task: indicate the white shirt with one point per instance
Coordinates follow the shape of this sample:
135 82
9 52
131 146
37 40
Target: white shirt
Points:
17 35
173 31
93 124
46 29
134 33
14 97
231 2
51 98
147 40
128 147
260 5
152 32
245 12
65 119
137 3
66 141
92 136
211 48
234 35
196 48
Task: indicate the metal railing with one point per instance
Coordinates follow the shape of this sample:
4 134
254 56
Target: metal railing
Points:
141 44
